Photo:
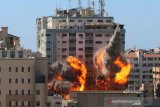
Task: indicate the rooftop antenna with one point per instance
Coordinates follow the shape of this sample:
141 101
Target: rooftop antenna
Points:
93 4
89 3
60 5
69 4
79 4
101 7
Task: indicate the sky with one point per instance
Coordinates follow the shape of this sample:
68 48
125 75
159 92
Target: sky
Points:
140 17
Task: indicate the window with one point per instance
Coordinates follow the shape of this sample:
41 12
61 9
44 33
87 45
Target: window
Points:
64 41
80 20
64 49
71 20
150 58
89 20
10 81
80 56
29 92
29 69
9 69
29 103
29 80
89 48
72 48
63 35
135 65
10 92
16 69
64 56
98 35
80 42
136 59
16 92
107 42
22 92
22 69
48 34
22 80
89 41
38 103
80 49
144 64
37 92
22 103
71 41
100 20
98 42
10 103
108 21
16 81
81 36
16 103
107 35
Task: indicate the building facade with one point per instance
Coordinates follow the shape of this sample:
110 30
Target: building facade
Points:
8 41
143 62
75 34
23 82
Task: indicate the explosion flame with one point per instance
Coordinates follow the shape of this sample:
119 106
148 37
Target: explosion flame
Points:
80 72
112 70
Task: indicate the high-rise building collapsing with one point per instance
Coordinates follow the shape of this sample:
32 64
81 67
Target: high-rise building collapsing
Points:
78 32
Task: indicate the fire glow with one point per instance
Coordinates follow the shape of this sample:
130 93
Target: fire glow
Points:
80 70
122 76
111 69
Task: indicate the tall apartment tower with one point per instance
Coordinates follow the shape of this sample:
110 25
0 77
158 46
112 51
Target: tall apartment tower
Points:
75 32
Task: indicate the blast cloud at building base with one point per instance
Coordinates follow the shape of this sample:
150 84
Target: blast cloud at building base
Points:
112 70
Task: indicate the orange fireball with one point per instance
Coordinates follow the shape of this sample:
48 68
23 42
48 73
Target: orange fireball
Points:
80 70
122 76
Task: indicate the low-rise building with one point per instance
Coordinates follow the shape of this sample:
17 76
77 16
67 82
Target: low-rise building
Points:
8 41
23 82
142 62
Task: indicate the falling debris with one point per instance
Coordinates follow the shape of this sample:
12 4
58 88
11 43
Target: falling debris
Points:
111 65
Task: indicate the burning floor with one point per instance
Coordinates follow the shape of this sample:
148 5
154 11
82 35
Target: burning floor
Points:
111 66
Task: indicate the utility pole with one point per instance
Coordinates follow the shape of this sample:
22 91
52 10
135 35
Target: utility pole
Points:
101 7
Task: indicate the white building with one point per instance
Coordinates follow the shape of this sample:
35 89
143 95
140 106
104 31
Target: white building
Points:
142 62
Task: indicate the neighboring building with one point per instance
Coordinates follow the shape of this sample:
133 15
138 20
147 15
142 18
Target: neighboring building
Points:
142 62
77 34
156 79
108 98
23 81
16 54
8 41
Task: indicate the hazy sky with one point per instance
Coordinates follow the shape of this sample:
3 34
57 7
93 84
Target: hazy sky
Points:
140 17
